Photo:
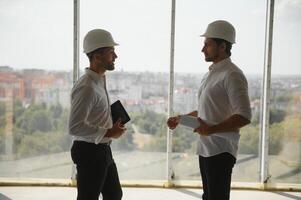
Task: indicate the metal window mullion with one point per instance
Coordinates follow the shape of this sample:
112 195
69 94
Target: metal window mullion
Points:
266 93
76 10
170 93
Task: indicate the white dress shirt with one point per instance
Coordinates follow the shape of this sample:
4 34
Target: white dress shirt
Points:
90 114
223 93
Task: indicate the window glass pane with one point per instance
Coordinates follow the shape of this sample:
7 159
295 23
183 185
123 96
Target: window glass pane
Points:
285 113
192 18
140 80
35 81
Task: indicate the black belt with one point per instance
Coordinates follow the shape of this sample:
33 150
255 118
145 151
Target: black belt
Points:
99 144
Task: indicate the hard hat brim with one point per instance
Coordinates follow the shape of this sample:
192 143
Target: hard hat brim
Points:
219 37
100 46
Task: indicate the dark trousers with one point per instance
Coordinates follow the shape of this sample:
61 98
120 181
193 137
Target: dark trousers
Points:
96 172
216 176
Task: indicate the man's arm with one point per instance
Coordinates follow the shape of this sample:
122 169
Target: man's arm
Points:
116 131
173 122
232 123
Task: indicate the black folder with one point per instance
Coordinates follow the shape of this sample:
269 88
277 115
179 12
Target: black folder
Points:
118 112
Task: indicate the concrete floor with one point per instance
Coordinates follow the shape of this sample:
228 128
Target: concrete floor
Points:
69 193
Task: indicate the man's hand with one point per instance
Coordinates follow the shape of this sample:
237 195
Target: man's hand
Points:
117 130
173 122
203 129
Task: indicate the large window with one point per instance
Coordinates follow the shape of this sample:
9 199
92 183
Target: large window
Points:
140 80
36 55
285 112
35 81
192 18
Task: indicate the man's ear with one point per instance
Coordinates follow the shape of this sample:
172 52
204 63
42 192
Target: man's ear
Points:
223 46
97 56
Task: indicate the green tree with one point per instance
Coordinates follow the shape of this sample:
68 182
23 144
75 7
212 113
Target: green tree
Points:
276 115
40 143
157 129
292 127
41 121
2 108
249 138
18 109
63 121
149 122
275 138
56 110
34 118
284 98
2 125
184 139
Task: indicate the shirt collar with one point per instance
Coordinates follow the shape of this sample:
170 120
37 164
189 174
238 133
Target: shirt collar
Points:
219 64
96 77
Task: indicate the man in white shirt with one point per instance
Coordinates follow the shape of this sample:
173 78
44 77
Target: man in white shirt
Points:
91 125
223 108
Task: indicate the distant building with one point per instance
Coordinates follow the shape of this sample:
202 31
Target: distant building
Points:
35 85
11 82
185 100
6 69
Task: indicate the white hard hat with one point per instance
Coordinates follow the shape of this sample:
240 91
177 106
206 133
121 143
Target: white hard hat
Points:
220 29
96 39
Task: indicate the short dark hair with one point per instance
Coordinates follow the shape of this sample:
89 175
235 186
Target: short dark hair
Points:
96 51
228 44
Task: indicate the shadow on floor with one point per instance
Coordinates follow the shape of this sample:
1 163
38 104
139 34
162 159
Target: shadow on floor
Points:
3 197
291 196
242 160
190 193
293 172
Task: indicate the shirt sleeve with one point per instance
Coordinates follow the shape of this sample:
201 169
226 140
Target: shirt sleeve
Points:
82 101
237 89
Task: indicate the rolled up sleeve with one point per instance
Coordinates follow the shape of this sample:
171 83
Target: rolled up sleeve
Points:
237 90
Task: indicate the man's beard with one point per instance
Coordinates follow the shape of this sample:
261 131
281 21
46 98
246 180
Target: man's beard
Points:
109 67
208 59
211 58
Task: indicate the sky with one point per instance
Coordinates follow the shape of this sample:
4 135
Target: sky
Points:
39 33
